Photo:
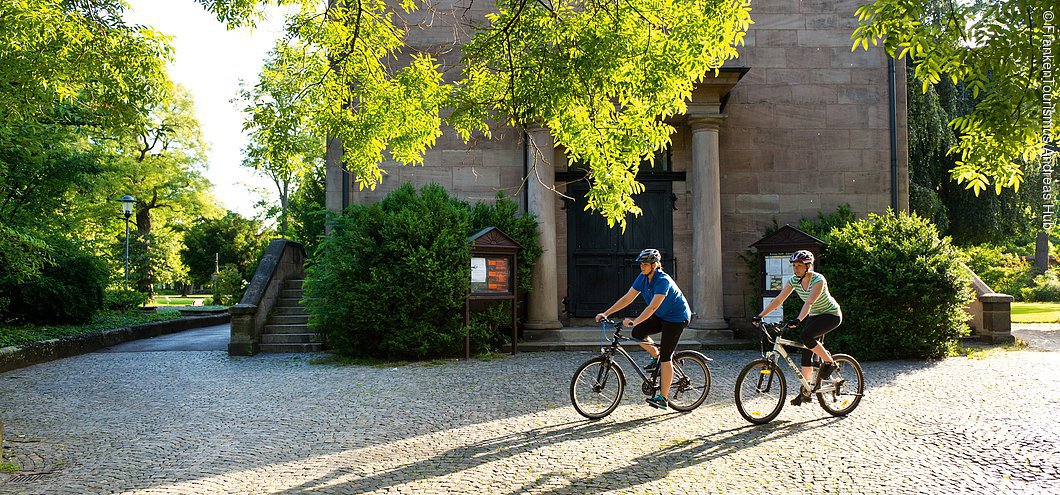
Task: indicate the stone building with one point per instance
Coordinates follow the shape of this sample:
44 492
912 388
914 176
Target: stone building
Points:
798 124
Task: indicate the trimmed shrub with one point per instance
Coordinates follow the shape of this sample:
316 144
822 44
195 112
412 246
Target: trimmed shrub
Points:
1003 271
390 279
67 291
902 289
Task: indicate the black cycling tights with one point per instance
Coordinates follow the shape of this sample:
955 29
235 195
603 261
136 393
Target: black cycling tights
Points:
815 328
671 333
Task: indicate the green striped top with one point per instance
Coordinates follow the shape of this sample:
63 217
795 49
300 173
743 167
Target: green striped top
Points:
825 304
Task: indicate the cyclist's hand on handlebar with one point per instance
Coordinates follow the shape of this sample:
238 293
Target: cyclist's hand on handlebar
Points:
600 316
627 322
756 320
792 323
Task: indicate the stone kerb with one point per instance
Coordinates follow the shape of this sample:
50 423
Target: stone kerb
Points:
991 313
15 357
283 259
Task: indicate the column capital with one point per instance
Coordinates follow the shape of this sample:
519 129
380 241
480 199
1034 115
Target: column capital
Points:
705 122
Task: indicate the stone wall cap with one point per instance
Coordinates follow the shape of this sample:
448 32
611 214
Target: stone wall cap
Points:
996 297
242 309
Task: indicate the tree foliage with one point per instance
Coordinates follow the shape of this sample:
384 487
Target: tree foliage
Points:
600 76
1008 217
77 64
284 144
229 240
995 49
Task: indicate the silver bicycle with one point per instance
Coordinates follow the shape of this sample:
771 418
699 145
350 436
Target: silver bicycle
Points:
761 387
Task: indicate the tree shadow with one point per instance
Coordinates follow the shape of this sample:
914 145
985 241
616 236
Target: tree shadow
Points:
472 455
690 453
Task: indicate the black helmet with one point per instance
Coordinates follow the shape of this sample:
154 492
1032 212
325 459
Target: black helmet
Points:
802 256
649 256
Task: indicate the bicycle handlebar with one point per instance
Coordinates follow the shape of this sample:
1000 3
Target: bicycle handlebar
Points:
766 327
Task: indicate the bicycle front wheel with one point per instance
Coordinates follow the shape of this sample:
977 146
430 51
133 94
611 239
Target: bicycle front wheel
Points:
691 381
842 391
760 391
596 388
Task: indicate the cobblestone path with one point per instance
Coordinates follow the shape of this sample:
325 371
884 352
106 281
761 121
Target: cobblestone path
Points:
204 423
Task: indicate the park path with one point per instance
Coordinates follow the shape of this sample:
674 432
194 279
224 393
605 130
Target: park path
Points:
201 422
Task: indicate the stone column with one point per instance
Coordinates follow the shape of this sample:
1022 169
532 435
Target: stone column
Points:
707 296
543 307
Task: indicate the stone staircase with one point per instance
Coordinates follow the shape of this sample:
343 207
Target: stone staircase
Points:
287 328
585 335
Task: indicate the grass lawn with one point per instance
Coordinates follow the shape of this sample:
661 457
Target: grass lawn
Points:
161 300
104 320
1026 312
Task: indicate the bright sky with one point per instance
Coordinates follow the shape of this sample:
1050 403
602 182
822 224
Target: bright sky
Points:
210 61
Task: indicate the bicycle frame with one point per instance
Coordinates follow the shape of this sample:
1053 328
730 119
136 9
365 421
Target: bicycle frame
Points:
616 346
779 351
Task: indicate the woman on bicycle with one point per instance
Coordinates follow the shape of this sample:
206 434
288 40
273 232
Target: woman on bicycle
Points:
820 311
667 312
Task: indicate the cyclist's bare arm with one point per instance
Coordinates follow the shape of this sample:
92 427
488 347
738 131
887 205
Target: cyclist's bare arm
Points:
777 301
621 303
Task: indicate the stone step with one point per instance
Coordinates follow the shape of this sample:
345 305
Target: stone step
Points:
289 310
287 329
288 338
292 294
286 319
293 284
314 347
289 302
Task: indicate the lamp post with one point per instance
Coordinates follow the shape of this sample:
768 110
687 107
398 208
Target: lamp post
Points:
127 203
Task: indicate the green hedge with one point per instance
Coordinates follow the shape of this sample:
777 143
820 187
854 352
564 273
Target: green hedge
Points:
390 279
1045 288
1002 271
67 290
902 289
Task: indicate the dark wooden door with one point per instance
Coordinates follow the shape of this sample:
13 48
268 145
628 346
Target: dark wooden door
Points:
601 261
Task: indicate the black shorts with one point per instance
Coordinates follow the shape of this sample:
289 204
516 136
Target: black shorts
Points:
671 333
814 330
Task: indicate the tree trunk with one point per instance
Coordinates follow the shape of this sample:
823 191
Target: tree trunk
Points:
143 227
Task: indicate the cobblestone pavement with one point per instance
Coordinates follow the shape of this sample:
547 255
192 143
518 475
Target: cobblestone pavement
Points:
204 423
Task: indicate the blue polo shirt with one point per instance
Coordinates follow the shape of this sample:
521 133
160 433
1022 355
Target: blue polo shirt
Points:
674 307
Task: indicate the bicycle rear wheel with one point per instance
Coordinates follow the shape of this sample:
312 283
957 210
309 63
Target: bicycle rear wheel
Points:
691 381
760 391
596 388
843 389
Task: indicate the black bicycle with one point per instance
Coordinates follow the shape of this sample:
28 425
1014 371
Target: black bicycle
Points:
761 387
598 384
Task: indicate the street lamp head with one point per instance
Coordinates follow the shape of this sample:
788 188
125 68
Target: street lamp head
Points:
127 203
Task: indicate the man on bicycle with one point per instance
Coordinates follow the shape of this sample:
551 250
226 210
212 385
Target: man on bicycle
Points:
667 312
820 311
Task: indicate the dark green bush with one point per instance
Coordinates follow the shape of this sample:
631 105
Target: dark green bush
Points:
491 327
229 285
69 290
902 289
1045 288
123 300
1003 271
390 279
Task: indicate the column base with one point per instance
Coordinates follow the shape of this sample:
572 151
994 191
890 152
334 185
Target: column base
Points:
542 325
709 324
